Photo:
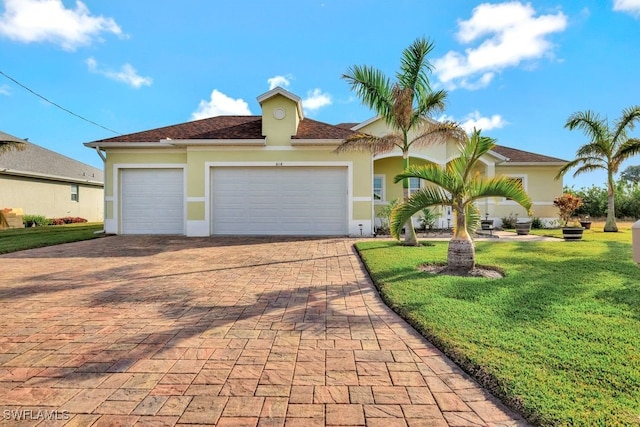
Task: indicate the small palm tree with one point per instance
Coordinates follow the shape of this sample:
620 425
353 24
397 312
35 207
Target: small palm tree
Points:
405 107
458 185
608 148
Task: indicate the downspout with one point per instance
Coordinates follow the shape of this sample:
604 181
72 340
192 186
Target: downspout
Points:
104 203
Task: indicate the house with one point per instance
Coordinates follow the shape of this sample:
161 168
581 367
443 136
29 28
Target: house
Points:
41 182
272 174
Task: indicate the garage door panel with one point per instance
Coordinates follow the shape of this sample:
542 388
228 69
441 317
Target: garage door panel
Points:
279 201
152 201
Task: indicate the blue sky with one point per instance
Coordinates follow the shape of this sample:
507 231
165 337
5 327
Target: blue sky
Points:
515 69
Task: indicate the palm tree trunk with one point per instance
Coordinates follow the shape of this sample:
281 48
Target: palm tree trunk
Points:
461 254
410 237
610 225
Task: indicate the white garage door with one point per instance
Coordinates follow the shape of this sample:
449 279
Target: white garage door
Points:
152 201
279 201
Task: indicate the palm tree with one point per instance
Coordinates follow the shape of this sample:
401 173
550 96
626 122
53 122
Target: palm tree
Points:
458 185
405 106
608 148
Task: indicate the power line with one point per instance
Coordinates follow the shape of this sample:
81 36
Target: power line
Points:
57 105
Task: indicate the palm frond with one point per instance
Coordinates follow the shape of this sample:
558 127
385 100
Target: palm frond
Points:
599 148
499 187
371 143
432 173
472 217
413 66
372 87
590 123
429 103
585 164
6 146
423 198
629 148
432 133
629 117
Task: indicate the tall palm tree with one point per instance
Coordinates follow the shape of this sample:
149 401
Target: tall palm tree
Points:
458 185
608 148
405 106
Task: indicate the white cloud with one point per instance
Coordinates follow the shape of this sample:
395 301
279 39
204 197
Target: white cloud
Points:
282 81
631 7
4 90
508 33
219 105
30 21
127 74
315 100
475 120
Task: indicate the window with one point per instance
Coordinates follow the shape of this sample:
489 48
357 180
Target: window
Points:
75 193
378 188
414 185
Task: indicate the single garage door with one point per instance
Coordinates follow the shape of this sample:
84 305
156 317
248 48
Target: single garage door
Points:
279 200
152 201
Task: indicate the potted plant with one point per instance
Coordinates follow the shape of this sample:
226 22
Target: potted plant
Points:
586 222
567 205
523 227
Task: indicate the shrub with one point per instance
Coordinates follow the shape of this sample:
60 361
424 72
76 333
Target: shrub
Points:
536 223
509 221
38 220
428 219
567 204
66 220
385 216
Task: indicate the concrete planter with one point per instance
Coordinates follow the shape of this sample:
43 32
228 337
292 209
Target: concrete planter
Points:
523 228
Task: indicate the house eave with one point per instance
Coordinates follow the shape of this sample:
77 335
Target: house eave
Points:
30 174
321 142
533 164
218 142
121 144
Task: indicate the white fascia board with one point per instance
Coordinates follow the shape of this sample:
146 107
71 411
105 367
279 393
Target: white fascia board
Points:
366 123
303 142
116 144
534 164
29 174
218 142
498 156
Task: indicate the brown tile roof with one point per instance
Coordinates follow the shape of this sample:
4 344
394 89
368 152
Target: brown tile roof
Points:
519 156
347 125
229 127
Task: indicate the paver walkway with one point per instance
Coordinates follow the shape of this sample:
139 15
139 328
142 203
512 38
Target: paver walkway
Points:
140 330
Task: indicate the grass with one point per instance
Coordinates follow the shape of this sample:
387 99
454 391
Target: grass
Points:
557 338
18 239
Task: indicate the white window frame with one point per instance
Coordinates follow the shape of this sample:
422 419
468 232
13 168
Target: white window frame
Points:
383 197
523 178
75 191
414 189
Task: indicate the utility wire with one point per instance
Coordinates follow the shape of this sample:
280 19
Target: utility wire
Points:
58 106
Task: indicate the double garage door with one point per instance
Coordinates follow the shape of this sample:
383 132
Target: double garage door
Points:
279 200
244 200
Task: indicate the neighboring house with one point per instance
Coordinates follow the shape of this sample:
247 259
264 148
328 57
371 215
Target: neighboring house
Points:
42 182
272 174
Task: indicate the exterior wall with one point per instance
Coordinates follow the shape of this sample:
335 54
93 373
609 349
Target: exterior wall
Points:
198 162
541 186
279 131
51 198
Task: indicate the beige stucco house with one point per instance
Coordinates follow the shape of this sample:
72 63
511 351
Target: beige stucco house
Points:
42 182
273 174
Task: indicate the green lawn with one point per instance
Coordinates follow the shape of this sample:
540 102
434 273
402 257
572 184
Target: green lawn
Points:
18 239
558 338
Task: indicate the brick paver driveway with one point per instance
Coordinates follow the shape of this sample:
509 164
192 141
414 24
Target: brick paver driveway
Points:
244 332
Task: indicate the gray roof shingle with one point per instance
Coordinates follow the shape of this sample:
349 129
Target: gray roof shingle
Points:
41 162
